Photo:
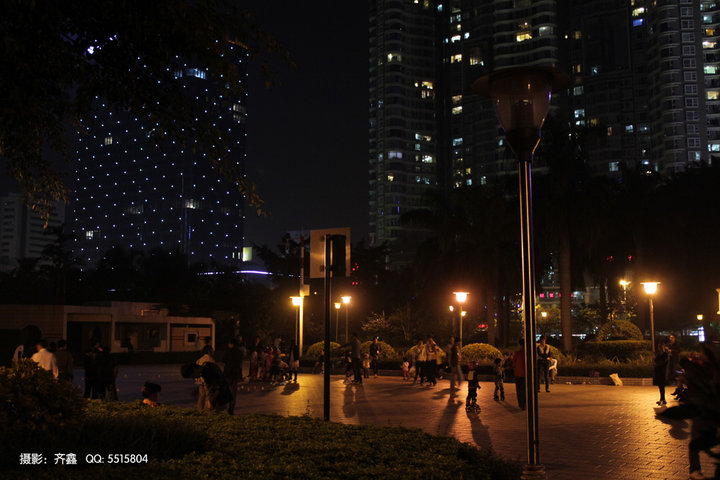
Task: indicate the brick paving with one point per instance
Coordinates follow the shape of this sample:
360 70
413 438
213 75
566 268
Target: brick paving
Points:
586 431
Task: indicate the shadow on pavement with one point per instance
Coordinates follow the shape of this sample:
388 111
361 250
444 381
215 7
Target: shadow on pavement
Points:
480 432
290 388
447 419
677 427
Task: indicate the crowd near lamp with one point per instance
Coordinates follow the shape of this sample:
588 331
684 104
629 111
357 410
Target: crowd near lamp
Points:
296 301
346 300
651 289
522 97
461 298
337 314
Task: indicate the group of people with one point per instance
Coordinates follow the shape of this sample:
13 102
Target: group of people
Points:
52 357
546 371
425 361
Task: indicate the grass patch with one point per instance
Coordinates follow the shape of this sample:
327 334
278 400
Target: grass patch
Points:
189 444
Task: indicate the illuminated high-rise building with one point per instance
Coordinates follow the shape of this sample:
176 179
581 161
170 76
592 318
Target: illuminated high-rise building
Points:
130 194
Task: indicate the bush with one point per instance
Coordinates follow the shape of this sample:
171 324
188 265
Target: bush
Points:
265 446
620 349
35 409
554 351
387 352
480 352
412 352
618 330
313 351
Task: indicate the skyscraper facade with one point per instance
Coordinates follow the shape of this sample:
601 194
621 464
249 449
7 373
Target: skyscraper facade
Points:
645 91
131 194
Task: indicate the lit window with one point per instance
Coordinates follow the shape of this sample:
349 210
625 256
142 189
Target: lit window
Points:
638 21
476 61
391 178
427 159
638 11
578 90
469 181
456 99
708 44
710 32
712 94
457 110
577 35
195 72
545 30
192 204
457 142
427 84
395 155
629 128
524 35
394 57
108 140
456 58
246 254
710 69
455 38
614 166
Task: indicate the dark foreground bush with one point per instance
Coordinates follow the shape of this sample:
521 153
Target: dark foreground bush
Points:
187 444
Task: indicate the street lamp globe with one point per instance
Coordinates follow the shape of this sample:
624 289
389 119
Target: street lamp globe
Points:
345 299
296 301
461 297
338 305
452 309
650 287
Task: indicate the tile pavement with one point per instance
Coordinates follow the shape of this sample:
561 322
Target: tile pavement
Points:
586 431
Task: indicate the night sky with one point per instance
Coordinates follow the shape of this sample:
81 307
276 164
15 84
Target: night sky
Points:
308 139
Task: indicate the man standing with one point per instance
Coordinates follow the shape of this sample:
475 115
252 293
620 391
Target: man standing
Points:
674 359
203 388
45 358
355 355
375 351
543 358
518 362
233 370
64 362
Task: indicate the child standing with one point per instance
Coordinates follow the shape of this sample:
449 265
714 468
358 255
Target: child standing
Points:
406 370
473 385
499 371
366 366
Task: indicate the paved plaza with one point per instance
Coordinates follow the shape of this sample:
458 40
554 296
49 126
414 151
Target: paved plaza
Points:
586 431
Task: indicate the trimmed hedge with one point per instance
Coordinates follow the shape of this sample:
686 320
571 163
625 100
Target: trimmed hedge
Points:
620 349
479 352
190 444
35 409
618 330
387 352
605 369
313 351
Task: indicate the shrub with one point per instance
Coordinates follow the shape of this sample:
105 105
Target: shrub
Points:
554 351
387 353
620 349
268 446
480 352
314 350
618 330
35 409
412 352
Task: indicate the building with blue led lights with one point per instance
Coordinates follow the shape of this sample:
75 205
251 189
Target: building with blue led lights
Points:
132 194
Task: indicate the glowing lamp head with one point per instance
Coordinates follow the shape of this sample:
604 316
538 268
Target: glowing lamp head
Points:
345 300
338 305
650 287
700 317
296 301
452 309
461 297
463 313
543 314
624 283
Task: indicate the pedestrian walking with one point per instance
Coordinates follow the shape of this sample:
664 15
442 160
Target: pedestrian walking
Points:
366 365
233 371
294 361
454 364
45 358
660 364
64 362
543 356
420 359
432 354
354 345
518 362
375 353
673 349
499 374
203 402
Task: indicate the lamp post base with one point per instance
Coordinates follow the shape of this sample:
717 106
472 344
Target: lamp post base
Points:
533 472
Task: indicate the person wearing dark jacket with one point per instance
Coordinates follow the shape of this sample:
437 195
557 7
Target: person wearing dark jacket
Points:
294 361
660 370
233 370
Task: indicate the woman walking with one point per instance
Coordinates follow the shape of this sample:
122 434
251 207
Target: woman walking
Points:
660 370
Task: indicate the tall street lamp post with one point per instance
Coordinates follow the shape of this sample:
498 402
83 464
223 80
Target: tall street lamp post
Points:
346 300
651 290
337 314
461 298
522 97
297 302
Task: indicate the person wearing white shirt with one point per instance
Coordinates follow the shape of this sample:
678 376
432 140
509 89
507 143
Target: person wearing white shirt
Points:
45 358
